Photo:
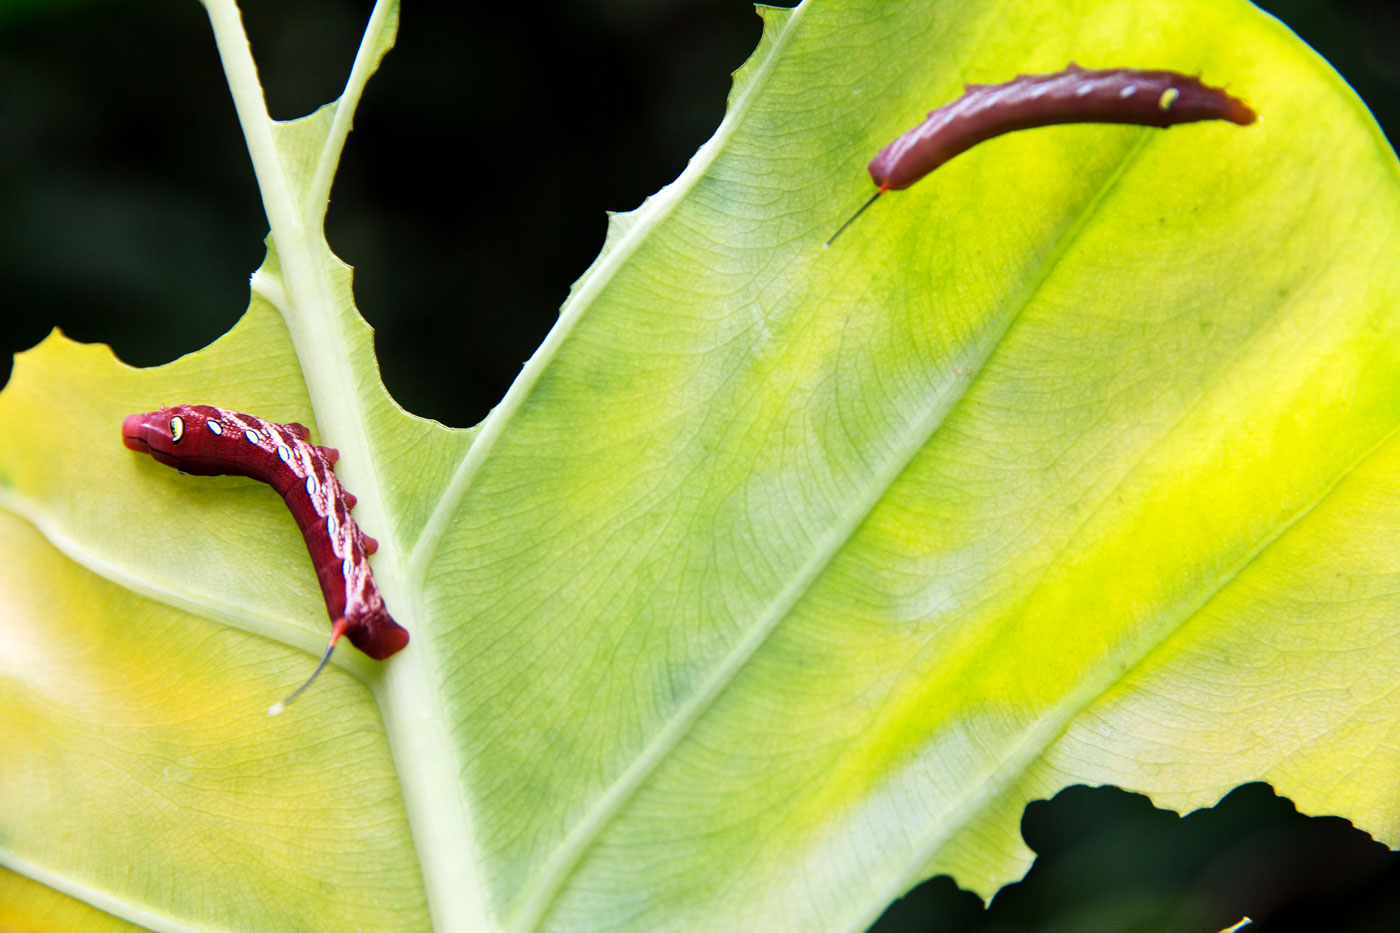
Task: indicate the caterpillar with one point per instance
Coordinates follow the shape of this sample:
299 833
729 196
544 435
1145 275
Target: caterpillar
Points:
209 441
1074 95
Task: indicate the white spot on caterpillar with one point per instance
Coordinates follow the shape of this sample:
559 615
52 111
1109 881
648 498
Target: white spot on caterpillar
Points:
1168 98
1038 91
345 568
285 453
1084 90
330 524
177 428
311 485
251 436
1128 91
995 96
214 427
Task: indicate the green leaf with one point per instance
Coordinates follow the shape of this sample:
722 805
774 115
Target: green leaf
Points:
784 576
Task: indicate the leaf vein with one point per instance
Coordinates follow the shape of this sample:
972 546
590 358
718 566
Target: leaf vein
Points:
570 852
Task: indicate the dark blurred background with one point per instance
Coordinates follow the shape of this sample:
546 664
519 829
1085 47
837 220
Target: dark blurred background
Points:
128 215
130 211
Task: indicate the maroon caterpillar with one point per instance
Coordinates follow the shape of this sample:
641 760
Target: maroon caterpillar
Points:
209 441
1075 95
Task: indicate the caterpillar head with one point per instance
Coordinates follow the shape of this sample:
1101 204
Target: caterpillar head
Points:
157 433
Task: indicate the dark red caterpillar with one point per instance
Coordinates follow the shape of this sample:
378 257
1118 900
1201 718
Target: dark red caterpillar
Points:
1075 95
209 441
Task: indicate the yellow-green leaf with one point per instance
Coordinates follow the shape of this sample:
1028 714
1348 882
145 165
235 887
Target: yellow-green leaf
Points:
785 575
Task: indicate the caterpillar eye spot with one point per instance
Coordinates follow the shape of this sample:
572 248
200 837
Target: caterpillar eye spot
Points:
252 437
177 429
285 453
311 485
214 427
1168 98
